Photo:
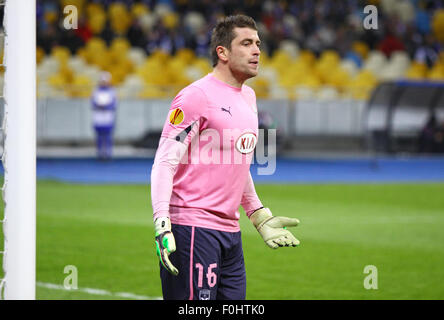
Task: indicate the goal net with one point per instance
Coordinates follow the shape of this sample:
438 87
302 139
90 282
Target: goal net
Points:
19 149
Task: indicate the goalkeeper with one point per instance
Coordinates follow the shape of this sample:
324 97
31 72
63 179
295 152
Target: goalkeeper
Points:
201 176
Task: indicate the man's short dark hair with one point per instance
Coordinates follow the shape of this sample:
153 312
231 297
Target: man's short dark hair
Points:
223 33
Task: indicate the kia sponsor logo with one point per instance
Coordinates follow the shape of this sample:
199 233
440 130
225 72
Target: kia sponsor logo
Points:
246 143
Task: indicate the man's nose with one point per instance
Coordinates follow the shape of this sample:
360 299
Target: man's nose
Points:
256 50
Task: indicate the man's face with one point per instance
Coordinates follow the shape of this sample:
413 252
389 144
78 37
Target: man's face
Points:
243 58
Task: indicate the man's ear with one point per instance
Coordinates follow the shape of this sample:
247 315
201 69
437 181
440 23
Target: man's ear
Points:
222 53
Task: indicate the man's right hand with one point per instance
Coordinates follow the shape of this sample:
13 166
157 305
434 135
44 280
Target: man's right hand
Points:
165 243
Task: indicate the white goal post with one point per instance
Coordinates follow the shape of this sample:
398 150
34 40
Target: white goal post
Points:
19 157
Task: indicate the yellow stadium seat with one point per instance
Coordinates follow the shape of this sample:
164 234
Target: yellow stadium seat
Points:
307 57
115 9
139 9
328 60
438 24
118 74
186 54
81 87
62 54
360 87
339 78
203 64
94 8
2 68
57 80
79 4
170 20
120 44
261 86
97 23
152 92
361 48
436 72
120 18
101 59
264 59
417 71
159 56
82 53
66 72
310 81
40 54
96 44
280 61
50 17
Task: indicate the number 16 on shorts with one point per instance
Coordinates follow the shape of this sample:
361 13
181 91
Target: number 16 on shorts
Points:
210 275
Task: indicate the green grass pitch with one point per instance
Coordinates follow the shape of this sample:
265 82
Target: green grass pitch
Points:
106 231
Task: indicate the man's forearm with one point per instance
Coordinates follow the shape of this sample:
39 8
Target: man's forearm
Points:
166 161
250 200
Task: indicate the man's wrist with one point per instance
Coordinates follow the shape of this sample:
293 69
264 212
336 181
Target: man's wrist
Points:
162 224
259 216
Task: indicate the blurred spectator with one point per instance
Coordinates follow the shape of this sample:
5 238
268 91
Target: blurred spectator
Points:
391 43
136 35
431 137
104 110
316 24
428 52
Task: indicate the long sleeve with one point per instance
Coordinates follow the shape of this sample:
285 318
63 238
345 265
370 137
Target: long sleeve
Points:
181 125
167 158
250 200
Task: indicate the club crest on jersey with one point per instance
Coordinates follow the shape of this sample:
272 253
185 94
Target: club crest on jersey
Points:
246 143
204 294
176 116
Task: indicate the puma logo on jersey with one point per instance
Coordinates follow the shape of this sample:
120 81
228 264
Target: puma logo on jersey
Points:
229 108
246 143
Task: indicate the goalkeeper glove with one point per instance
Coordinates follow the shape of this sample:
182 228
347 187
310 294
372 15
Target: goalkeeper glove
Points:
273 229
165 243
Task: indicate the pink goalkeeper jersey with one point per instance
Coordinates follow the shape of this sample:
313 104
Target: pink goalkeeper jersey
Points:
211 130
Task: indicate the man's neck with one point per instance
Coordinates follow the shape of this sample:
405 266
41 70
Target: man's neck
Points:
226 76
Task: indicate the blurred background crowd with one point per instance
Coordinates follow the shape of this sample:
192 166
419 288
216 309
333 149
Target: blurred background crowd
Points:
152 48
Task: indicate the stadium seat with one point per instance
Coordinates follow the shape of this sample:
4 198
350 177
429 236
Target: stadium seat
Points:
131 87
290 47
277 92
120 18
438 24
362 84
137 56
375 62
194 21
396 66
81 86
405 11
40 54
349 66
289 71
361 48
436 72
62 54
139 9
304 93
416 71
327 93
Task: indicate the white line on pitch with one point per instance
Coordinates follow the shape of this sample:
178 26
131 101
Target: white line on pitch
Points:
126 295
